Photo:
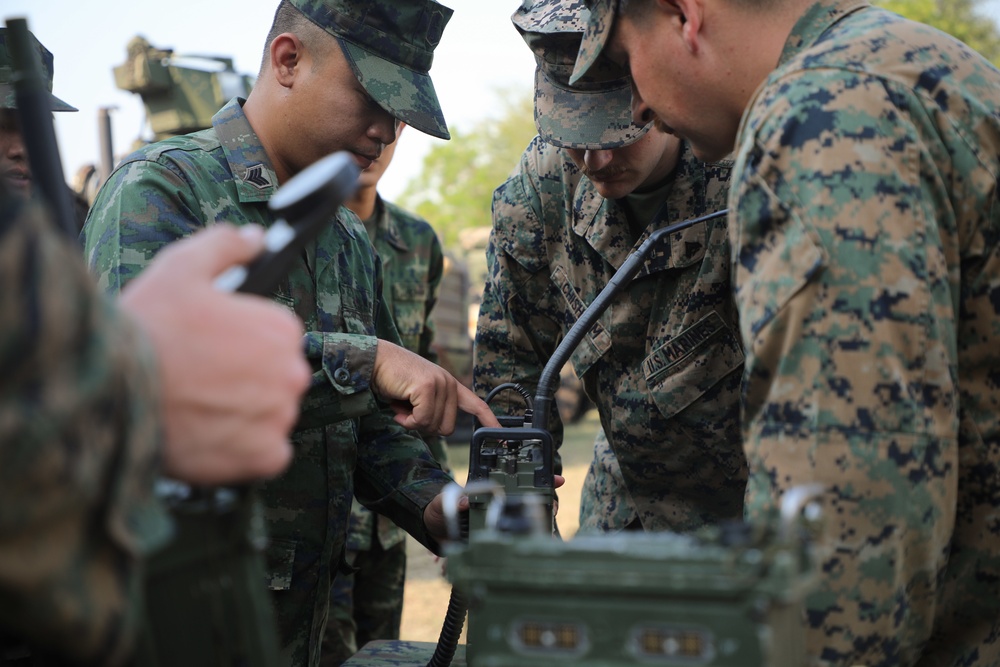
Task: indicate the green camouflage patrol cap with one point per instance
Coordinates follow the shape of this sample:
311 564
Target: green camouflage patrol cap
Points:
390 46
594 113
7 97
602 18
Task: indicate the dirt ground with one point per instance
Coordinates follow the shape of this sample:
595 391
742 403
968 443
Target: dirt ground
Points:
426 594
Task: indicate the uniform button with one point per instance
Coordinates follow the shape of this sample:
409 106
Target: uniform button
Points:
342 376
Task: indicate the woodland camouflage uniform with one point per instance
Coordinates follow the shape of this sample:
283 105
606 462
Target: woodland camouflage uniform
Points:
866 254
77 512
366 602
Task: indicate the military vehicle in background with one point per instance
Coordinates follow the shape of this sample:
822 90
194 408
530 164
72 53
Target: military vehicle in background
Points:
180 93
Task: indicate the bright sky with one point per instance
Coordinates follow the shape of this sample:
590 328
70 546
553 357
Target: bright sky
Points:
480 55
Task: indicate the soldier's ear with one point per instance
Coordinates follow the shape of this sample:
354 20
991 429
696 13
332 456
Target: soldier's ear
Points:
685 20
286 58
691 14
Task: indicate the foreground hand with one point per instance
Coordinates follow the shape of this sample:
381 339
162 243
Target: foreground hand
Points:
231 366
424 396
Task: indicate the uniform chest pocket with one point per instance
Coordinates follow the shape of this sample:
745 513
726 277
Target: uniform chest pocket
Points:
691 363
409 307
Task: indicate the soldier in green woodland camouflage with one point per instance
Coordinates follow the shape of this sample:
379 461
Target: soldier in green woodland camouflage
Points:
15 169
96 401
866 247
663 363
366 603
335 76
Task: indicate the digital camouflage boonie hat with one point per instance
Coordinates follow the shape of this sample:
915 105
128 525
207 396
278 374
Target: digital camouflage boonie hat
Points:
7 97
390 46
594 113
598 29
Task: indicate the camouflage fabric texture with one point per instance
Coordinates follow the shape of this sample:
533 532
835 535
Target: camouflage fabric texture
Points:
79 443
866 254
8 98
595 113
367 603
662 365
401 654
390 47
344 444
605 505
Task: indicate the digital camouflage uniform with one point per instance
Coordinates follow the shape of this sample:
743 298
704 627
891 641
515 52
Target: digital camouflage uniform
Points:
79 448
866 246
170 189
367 603
605 504
662 365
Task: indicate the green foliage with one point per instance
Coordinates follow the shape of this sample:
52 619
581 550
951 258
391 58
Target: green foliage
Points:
958 18
454 189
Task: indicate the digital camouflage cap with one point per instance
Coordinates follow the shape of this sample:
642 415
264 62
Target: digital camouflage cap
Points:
598 29
8 99
390 46
595 113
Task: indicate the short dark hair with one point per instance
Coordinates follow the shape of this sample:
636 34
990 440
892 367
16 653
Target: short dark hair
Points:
289 19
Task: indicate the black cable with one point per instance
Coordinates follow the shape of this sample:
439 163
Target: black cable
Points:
550 374
454 618
451 630
525 394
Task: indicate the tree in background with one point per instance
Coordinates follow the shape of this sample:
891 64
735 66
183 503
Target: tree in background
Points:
454 189
958 18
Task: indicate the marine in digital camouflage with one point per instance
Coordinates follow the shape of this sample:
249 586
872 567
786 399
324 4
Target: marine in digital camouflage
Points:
605 504
368 604
662 365
390 47
866 254
867 270
79 450
344 444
